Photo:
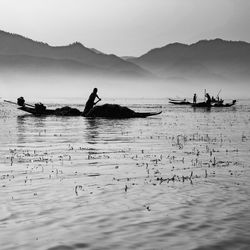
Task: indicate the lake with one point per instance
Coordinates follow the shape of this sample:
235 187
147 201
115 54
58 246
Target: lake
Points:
179 180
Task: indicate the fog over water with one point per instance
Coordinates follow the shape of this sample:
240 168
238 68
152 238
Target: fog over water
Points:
41 88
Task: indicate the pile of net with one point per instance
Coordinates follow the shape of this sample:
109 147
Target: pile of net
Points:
111 111
67 111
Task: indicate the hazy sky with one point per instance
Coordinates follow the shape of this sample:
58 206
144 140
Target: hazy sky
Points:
126 27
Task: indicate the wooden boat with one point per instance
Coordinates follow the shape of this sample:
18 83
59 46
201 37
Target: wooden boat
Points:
218 104
105 111
176 100
33 111
65 111
214 102
201 105
95 112
180 102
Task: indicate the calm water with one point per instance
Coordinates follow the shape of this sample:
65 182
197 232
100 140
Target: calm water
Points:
179 180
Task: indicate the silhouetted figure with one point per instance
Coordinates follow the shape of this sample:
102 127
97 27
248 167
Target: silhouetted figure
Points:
91 101
21 101
40 108
195 98
208 101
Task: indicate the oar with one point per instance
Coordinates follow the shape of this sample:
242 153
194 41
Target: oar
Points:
218 94
97 101
25 104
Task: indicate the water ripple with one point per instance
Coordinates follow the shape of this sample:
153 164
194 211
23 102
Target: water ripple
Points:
177 181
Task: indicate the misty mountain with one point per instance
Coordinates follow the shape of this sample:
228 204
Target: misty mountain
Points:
97 51
128 58
18 53
207 60
217 60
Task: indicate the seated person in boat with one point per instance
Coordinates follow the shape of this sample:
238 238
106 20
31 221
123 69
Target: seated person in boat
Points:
91 101
21 101
213 99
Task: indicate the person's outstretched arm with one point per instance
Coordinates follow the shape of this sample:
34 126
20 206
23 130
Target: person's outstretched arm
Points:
98 97
97 101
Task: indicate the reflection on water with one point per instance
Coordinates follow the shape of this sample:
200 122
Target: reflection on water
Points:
21 129
175 181
92 130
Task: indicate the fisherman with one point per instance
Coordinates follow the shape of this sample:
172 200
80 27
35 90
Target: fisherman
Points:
21 101
208 101
194 98
91 101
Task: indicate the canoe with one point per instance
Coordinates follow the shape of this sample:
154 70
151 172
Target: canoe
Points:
201 105
224 105
105 111
215 105
180 102
33 111
65 111
176 100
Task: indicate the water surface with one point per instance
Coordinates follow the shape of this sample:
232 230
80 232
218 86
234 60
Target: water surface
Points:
179 180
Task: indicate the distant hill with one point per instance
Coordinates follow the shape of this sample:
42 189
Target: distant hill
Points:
97 51
22 54
207 60
216 59
128 58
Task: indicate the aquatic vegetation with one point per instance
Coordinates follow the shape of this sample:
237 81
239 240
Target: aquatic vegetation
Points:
106 177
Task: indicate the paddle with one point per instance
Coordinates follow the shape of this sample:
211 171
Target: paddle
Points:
19 105
218 94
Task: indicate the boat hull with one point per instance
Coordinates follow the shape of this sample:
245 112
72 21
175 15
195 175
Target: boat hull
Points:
33 111
180 103
105 111
201 105
117 111
214 105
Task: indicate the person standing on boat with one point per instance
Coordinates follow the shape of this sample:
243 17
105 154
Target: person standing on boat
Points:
194 98
91 101
208 101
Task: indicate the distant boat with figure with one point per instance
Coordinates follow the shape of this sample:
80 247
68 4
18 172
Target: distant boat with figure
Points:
210 102
216 105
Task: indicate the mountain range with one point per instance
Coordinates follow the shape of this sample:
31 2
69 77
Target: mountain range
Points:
211 60
21 54
205 60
